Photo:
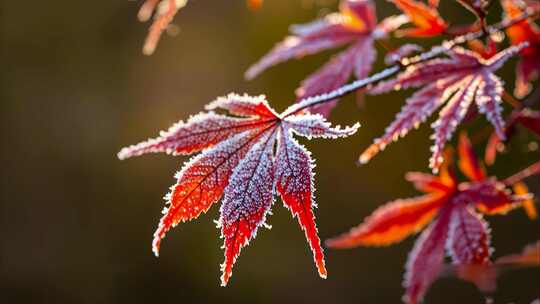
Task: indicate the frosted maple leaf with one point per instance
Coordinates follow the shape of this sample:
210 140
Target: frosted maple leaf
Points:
528 68
355 24
454 82
452 208
246 159
426 19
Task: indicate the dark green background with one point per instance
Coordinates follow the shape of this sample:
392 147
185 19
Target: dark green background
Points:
76 224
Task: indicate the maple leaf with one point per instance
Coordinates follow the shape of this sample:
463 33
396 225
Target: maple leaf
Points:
246 158
426 19
452 208
528 67
530 119
165 10
454 82
355 24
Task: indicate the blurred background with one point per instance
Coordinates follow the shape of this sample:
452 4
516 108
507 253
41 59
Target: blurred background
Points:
76 223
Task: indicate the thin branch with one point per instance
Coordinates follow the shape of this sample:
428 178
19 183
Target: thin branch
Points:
405 62
527 172
507 97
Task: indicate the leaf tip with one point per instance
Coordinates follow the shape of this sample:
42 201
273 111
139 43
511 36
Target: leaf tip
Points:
148 49
155 245
368 154
123 154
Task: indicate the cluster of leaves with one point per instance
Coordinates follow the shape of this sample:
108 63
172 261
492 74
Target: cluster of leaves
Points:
355 24
452 208
250 156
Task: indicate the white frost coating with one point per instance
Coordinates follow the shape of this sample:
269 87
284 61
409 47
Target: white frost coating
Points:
496 62
417 109
402 52
199 132
292 47
251 185
208 174
355 22
315 125
294 164
357 58
237 163
313 27
426 257
489 102
243 105
450 116
468 237
457 81
295 180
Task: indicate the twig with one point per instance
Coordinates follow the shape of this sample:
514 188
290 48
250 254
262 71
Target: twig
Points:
527 172
511 100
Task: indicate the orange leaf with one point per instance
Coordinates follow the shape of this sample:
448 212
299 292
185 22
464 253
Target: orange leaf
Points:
468 163
391 223
427 20
520 189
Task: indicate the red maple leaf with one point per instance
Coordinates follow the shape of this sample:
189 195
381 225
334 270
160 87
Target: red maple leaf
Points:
164 12
355 24
246 159
426 19
454 82
528 67
455 224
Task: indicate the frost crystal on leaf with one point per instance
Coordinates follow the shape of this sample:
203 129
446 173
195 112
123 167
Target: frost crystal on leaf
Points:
468 238
247 160
455 225
456 83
